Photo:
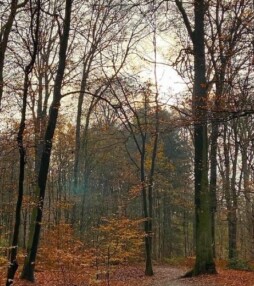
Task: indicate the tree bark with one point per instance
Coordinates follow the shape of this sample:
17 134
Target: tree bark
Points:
204 247
203 215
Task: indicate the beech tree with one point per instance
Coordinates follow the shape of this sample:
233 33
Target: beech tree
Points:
203 221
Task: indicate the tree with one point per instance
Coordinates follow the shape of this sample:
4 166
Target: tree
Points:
44 72
108 32
35 20
230 188
227 51
29 265
203 220
142 125
98 37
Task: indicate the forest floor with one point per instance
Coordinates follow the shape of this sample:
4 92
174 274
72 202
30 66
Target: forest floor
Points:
165 275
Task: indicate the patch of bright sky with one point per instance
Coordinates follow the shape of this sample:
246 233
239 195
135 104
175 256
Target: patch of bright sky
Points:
168 79
169 82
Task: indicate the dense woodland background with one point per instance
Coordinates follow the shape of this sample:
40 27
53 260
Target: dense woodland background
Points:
122 169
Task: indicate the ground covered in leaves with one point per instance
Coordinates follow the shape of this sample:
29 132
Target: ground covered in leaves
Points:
165 275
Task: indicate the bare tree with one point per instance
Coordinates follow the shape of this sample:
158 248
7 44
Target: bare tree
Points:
111 31
35 28
29 265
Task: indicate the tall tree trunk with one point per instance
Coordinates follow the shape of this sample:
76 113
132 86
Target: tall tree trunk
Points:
203 215
147 223
13 266
204 247
230 195
78 129
86 69
247 161
233 213
29 265
213 156
213 179
44 77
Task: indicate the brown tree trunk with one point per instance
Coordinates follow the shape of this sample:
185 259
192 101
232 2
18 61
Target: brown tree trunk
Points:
204 247
203 215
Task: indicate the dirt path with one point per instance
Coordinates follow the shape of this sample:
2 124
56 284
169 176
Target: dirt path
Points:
167 276
171 276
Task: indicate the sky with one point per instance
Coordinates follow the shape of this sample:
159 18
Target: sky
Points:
169 82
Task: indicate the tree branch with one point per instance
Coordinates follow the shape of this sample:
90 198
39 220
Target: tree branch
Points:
179 5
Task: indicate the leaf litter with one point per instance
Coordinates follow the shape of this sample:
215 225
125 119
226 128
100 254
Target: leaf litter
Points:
134 276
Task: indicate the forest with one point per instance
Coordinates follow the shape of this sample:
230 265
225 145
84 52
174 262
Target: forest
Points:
127 142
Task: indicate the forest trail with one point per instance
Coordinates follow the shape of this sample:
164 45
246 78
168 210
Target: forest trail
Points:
168 276
171 276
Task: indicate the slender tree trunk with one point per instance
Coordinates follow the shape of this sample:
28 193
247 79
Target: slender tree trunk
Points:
213 179
86 69
13 266
29 265
78 130
213 160
246 189
38 123
233 213
83 145
147 223
231 254
155 138
220 78
231 197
